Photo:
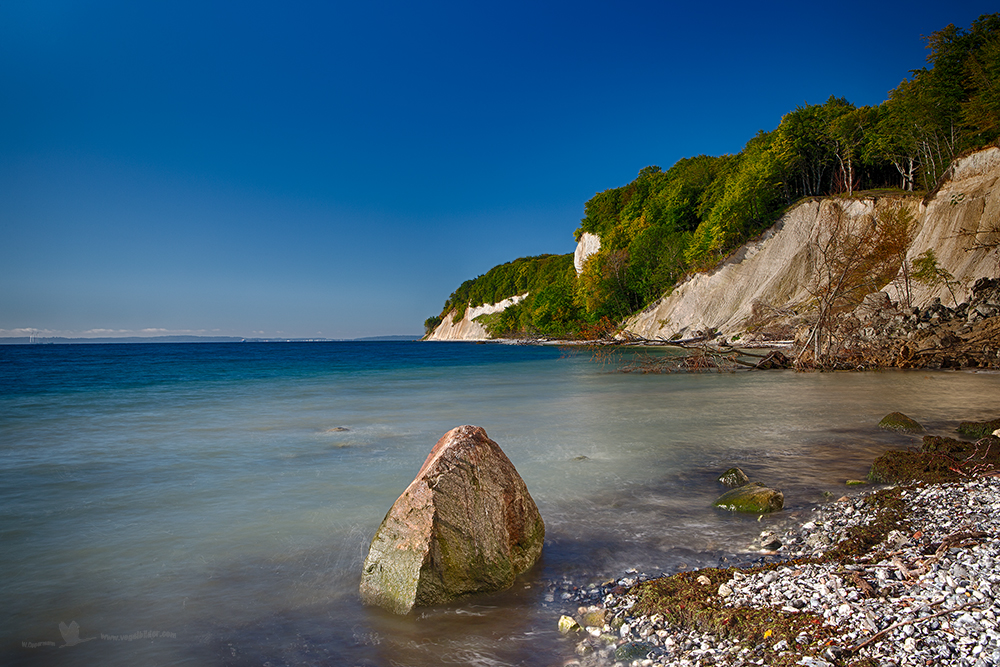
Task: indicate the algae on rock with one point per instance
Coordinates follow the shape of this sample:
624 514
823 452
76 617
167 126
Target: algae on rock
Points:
753 498
978 429
897 421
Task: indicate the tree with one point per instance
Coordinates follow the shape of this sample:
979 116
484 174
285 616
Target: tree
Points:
855 257
946 108
847 133
749 198
431 323
981 111
894 137
927 271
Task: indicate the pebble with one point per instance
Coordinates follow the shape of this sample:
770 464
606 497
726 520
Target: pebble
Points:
932 606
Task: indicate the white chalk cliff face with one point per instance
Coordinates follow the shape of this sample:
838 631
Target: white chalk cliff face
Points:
468 328
776 268
585 247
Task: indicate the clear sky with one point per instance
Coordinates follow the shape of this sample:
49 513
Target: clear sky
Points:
336 170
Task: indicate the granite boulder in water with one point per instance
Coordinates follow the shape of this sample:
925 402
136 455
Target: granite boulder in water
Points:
465 525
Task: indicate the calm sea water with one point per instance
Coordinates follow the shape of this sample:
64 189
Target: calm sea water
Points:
196 504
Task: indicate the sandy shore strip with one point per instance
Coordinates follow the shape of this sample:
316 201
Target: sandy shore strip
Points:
908 575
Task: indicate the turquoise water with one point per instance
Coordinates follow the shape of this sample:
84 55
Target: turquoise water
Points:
196 504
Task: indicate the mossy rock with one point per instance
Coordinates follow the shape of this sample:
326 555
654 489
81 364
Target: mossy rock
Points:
897 421
753 498
897 466
978 429
593 618
630 651
567 624
734 478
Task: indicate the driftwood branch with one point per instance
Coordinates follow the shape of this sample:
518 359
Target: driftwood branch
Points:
881 633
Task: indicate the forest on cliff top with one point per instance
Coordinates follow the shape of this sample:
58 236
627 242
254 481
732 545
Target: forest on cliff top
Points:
665 225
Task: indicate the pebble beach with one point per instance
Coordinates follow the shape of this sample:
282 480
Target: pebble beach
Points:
927 594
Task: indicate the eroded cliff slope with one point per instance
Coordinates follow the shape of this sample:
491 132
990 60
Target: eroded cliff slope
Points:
958 223
468 328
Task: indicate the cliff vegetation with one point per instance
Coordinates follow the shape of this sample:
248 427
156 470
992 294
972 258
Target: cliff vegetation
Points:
665 226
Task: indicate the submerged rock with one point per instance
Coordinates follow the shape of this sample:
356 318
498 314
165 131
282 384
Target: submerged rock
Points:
734 478
592 616
465 525
755 498
897 421
630 651
567 624
979 429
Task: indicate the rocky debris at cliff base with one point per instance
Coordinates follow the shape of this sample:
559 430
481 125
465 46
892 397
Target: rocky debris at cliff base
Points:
935 336
884 333
928 592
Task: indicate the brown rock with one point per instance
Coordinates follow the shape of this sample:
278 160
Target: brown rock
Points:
465 525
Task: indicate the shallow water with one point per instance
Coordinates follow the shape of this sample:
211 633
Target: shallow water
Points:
196 505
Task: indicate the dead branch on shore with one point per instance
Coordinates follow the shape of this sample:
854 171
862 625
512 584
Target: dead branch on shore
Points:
702 356
913 621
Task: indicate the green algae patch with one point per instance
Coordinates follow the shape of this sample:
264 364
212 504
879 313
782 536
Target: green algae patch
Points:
897 421
754 498
898 466
978 429
948 446
682 601
941 460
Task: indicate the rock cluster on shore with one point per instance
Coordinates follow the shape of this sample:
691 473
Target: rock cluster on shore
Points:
937 336
928 592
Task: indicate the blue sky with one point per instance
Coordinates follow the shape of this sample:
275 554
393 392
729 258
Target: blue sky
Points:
325 169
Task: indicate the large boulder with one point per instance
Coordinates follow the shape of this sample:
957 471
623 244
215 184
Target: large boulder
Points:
465 525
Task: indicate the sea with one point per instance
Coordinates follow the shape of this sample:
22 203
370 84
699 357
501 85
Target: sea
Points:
208 504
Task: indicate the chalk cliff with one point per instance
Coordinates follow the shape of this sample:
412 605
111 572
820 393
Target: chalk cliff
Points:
585 247
468 328
776 268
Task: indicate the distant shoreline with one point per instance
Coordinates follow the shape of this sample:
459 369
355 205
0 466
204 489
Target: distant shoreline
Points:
59 340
